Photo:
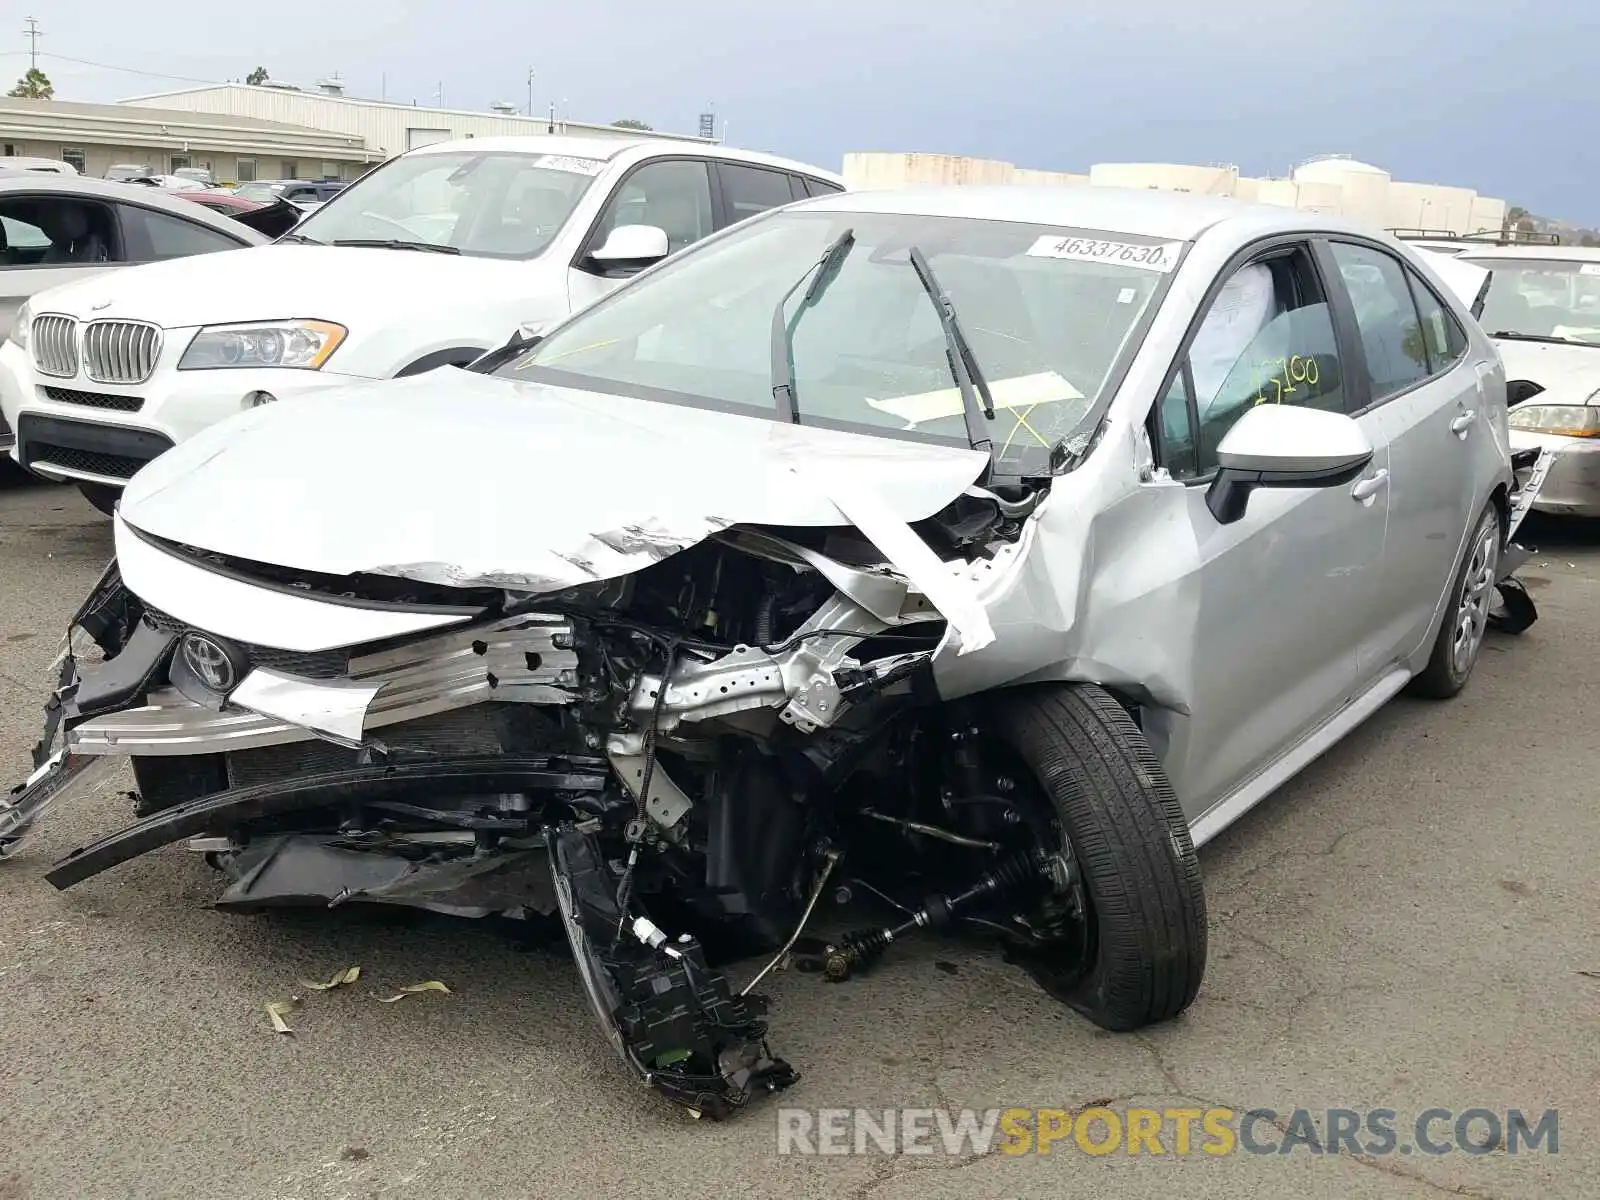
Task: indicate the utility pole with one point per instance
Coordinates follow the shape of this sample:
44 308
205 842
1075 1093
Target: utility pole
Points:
31 32
530 91
551 128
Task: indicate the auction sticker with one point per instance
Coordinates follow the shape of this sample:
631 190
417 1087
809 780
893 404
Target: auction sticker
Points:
567 162
1160 257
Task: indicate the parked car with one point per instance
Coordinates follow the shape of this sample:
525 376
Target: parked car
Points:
201 175
58 229
122 172
430 260
296 191
220 201
1008 542
43 166
1542 308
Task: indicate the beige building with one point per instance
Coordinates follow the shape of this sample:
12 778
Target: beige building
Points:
1336 185
94 137
381 128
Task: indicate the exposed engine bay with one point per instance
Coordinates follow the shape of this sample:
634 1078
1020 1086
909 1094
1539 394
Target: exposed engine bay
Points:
674 764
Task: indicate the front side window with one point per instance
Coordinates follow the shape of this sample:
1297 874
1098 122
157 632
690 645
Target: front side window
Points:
673 195
1266 338
488 205
1049 324
1542 300
1391 333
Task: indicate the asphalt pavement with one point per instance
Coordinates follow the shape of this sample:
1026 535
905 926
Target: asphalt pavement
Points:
1405 926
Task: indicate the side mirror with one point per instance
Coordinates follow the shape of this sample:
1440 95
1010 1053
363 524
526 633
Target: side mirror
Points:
1281 446
632 246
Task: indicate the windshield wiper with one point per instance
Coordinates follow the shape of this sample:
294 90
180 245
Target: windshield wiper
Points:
821 273
397 244
963 366
299 239
1509 335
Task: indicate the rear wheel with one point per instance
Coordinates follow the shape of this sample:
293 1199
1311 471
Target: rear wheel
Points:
1146 904
102 496
1466 615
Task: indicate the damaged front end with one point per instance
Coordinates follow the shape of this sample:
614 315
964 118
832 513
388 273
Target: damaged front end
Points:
635 758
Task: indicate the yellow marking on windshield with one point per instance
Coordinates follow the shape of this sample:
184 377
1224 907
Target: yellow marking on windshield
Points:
1022 423
575 350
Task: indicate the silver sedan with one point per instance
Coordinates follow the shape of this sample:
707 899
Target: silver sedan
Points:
996 547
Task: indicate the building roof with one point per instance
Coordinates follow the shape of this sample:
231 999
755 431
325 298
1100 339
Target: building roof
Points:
326 98
135 125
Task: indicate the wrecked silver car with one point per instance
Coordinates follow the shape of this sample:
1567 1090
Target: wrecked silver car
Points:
991 549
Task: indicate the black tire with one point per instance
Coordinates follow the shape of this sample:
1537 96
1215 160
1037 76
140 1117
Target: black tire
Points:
1132 844
102 496
1444 677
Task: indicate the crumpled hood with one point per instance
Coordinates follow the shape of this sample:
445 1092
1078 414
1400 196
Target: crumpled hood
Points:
1568 374
282 281
465 479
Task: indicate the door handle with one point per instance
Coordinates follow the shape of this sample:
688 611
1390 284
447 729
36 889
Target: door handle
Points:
1463 423
1366 489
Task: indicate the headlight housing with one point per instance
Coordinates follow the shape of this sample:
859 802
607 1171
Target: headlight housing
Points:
1565 420
20 326
299 345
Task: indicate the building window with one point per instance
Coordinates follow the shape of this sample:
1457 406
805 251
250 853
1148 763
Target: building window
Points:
246 171
330 170
11 150
287 169
75 158
180 161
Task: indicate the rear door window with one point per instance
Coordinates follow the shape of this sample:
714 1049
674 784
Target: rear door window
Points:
1391 333
747 191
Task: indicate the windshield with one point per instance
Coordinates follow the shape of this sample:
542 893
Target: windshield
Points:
261 193
1050 314
1542 298
492 205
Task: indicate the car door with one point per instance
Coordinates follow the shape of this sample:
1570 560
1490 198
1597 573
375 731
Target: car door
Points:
673 194
1430 402
37 253
1284 595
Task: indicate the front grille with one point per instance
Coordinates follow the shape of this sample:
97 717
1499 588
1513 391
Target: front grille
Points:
54 339
308 664
105 400
89 462
120 351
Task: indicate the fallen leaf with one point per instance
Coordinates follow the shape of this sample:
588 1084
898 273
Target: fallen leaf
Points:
348 975
276 1011
411 989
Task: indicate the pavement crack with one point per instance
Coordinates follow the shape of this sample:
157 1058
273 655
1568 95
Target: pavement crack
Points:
1383 1165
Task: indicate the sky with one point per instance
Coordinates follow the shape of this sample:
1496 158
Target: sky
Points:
1471 95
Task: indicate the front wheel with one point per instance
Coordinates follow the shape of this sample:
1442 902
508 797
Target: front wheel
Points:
101 496
1466 614
1131 842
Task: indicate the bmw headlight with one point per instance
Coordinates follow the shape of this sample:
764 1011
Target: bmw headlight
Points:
1566 420
20 326
302 345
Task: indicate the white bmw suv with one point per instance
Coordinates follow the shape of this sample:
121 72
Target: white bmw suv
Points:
432 259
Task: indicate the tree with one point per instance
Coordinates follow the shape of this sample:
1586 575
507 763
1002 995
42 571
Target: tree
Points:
257 77
35 85
630 123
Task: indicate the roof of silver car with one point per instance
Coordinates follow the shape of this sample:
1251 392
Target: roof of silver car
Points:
1581 254
1145 212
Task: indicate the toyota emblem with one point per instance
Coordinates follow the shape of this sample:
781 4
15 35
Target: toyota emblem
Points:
210 661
